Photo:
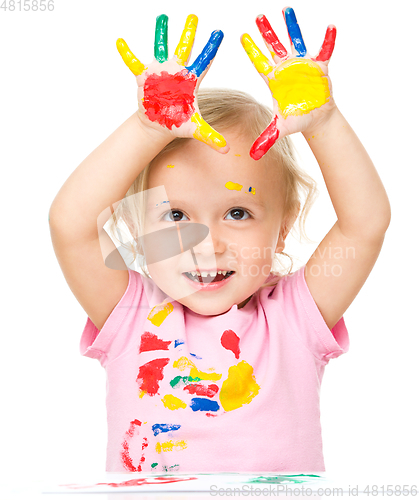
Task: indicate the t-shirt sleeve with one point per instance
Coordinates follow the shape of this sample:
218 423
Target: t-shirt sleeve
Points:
114 337
306 320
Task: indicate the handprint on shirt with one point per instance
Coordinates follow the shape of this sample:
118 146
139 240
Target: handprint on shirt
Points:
299 84
167 88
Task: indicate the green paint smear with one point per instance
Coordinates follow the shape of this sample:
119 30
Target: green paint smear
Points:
184 380
170 468
283 479
155 464
160 39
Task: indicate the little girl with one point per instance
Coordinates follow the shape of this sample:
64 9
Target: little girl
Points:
214 359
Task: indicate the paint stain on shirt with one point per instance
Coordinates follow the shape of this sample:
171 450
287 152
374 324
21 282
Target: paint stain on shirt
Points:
150 342
239 388
150 374
159 313
172 402
230 341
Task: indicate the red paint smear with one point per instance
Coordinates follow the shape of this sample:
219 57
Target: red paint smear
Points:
328 45
230 341
270 37
169 99
125 454
210 415
135 482
150 373
150 342
265 141
202 390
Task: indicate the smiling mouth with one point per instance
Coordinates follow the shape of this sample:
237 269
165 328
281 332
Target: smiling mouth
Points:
207 278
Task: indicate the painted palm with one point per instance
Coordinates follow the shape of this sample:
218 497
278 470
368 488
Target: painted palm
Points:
300 86
167 88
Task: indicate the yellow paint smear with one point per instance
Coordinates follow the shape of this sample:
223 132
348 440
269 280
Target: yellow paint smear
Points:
239 388
134 64
172 402
171 445
170 166
141 394
299 87
183 363
260 61
203 375
186 40
205 133
159 313
233 186
252 190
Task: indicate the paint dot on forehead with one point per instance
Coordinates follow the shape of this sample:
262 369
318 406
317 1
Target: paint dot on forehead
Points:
170 166
233 186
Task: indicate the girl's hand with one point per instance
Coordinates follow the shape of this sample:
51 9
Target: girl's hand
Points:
167 88
300 87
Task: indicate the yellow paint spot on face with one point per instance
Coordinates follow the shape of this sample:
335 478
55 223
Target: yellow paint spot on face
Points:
205 133
183 363
239 388
172 402
252 190
159 313
233 185
171 445
203 375
237 155
170 166
299 87
141 394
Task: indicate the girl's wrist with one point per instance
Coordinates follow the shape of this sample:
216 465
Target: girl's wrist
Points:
322 126
154 132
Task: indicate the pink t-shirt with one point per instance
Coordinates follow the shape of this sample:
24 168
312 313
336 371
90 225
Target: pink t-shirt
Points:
235 392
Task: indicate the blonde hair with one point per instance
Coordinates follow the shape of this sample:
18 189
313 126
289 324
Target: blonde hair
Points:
227 109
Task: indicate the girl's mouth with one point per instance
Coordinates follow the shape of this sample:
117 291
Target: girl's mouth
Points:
198 278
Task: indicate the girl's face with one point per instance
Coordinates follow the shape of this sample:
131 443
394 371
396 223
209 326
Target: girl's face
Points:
203 186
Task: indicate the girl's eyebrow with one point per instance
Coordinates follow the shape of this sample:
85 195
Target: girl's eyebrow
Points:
242 200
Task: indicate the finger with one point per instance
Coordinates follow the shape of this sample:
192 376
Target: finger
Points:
266 140
326 50
260 62
160 39
205 133
207 55
185 44
129 59
275 47
294 32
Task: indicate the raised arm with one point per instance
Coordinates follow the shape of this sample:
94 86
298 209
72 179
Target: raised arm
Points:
105 176
303 102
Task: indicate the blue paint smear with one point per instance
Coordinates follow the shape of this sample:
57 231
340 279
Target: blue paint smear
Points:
204 404
207 55
195 355
295 33
157 428
179 342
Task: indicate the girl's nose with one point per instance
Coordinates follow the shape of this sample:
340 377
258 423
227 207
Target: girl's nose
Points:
214 243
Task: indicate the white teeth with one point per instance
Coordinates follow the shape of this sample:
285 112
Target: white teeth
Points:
193 273
213 274
223 272
204 274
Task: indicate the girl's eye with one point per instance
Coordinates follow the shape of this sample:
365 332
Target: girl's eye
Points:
174 216
237 214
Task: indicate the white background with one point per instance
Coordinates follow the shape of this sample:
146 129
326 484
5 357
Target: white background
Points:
64 89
